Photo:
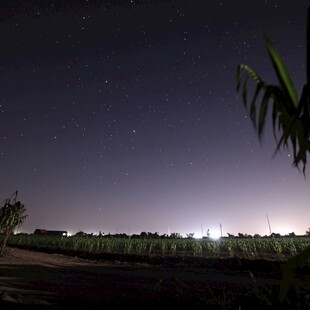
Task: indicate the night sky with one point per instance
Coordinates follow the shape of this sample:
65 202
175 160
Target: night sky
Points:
123 116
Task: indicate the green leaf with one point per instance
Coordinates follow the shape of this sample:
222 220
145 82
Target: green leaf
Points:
282 73
263 112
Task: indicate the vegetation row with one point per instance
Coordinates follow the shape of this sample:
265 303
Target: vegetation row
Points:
249 248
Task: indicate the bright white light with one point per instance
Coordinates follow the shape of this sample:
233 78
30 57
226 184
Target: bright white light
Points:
283 230
69 233
214 234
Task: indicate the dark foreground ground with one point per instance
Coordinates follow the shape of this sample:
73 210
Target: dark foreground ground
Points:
39 280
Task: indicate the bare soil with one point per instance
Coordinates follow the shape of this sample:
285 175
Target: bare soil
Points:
39 280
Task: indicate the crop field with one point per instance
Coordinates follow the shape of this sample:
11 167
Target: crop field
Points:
229 273
249 248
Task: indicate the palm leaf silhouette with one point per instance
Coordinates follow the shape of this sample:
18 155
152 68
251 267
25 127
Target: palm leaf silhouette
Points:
290 116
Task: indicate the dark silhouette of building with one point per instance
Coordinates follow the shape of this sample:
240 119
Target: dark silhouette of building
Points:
44 232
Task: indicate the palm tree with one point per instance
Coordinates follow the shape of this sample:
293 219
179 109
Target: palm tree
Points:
290 120
290 115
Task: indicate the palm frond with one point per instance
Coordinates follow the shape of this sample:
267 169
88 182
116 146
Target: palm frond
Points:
286 117
282 73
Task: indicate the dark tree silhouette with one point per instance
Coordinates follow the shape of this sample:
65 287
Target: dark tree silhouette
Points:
11 216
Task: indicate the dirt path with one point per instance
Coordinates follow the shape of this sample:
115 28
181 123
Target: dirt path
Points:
55 281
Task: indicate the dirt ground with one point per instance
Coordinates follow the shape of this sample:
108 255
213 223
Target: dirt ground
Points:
38 280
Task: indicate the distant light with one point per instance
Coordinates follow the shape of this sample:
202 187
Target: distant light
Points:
282 230
215 235
215 238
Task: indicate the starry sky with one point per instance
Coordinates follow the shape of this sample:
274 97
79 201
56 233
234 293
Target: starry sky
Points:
123 117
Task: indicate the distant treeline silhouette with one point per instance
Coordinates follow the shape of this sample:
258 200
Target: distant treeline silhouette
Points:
174 235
